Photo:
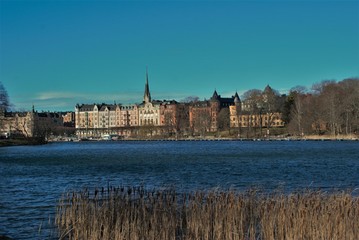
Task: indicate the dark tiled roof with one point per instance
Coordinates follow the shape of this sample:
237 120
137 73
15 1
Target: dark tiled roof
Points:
42 114
13 114
112 107
102 108
85 107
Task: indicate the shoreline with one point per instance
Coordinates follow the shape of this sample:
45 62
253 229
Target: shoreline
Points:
34 142
22 142
212 138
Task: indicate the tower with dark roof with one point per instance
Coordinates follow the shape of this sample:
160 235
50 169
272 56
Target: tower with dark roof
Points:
147 94
215 96
237 100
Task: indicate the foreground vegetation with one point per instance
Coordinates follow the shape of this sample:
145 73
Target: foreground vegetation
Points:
136 213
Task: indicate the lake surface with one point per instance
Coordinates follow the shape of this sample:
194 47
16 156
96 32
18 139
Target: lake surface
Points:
32 178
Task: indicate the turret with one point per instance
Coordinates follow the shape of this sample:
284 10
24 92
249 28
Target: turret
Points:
215 96
237 100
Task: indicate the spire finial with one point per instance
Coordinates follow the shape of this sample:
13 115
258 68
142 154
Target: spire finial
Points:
147 95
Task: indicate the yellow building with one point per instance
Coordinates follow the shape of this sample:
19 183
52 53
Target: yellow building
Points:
238 119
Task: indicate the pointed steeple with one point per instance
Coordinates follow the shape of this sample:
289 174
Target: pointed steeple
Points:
147 95
215 95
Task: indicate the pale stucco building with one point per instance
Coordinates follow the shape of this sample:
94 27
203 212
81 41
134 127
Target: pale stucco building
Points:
30 124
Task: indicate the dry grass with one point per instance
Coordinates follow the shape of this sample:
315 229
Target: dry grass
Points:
136 213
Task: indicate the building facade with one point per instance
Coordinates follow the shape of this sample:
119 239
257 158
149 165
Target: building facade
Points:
31 124
244 120
17 124
203 115
154 117
96 120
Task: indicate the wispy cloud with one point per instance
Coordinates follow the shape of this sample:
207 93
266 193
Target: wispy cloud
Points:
84 96
58 95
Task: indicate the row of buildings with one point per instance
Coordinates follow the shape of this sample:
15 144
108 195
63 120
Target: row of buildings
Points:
151 117
36 124
170 117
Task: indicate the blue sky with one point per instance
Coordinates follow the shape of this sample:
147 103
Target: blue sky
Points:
55 54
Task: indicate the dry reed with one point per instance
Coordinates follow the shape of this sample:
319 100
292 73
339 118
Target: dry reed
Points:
136 213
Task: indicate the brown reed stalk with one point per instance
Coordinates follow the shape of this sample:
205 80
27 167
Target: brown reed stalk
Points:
136 213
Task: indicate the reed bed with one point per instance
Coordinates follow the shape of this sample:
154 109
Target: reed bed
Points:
136 213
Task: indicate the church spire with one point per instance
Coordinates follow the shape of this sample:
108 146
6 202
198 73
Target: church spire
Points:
147 95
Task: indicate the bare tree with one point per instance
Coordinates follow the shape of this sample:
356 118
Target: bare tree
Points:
4 99
349 105
330 102
289 102
4 106
182 119
252 105
252 95
271 103
296 112
201 121
331 106
190 99
319 87
169 122
223 120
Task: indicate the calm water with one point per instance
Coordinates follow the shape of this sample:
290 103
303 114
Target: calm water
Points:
32 178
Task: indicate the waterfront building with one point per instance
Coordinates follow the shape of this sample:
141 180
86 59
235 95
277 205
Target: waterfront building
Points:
17 124
200 113
127 115
96 120
127 120
170 118
258 120
168 113
174 118
259 110
203 115
31 124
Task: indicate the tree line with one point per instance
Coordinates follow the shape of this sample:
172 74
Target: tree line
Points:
328 107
